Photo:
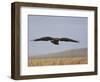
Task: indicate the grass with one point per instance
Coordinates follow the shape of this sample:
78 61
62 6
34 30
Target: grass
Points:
57 61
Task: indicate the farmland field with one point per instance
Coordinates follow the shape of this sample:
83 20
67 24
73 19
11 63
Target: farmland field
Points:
77 56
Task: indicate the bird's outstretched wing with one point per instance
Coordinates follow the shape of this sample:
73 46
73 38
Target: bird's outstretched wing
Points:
68 40
44 39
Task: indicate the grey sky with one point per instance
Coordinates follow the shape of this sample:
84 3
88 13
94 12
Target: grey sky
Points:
56 26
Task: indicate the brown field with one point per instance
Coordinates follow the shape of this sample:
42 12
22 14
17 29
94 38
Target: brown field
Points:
75 56
57 61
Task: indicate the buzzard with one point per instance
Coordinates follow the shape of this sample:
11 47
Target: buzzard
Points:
55 40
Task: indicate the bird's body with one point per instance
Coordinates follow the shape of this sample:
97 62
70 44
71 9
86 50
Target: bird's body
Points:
55 40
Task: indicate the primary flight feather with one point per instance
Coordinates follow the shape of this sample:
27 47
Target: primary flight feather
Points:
55 40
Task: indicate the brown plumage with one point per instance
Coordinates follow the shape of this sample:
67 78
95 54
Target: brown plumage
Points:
55 40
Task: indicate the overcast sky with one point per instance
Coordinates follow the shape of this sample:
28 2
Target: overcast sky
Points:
56 26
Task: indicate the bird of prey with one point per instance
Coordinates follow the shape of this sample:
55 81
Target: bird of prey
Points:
55 40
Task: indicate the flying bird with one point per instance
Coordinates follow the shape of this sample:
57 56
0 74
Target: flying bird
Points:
55 40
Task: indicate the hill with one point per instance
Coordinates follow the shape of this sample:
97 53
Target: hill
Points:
68 53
